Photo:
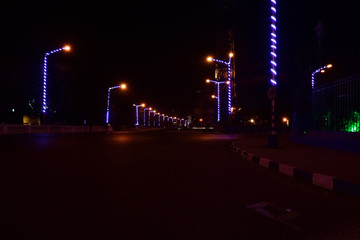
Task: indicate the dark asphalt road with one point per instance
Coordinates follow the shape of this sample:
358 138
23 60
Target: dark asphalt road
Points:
157 185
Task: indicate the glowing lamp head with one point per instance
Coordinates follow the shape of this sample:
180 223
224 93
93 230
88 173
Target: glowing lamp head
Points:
213 96
285 119
322 71
150 109
143 104
207 80
67 48
231 54
209 59
123 86
227 82
329 66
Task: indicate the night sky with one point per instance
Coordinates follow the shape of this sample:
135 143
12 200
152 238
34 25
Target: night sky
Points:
159 48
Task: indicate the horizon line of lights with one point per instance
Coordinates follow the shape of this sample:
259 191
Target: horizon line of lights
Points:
65 48
151 110
273 44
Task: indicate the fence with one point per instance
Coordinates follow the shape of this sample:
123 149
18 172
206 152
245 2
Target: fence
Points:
336 106
28 129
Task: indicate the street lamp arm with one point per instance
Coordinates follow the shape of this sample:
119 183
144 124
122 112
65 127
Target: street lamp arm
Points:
317 71
44 99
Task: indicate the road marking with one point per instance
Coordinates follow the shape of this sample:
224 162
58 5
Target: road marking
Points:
276 212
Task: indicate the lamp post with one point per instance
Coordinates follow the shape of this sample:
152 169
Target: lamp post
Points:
137 112
122 87
228 64
218 94
145 115
272 140
149 119
322 70
159 116
44 98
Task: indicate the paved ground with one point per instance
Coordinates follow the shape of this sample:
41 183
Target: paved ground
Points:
336 163
158 185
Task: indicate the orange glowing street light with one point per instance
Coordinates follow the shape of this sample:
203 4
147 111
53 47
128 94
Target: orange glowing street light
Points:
67 48
137 112
121 86
321 70
228 65
47 54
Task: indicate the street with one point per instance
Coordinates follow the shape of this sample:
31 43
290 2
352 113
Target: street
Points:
163 184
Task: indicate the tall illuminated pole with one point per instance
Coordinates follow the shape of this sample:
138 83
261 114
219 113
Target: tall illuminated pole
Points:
322 70
158 114
228 64
44 100
218 94
137 112
273 64
145 115
121 86
149 119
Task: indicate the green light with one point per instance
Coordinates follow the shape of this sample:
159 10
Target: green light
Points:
354 123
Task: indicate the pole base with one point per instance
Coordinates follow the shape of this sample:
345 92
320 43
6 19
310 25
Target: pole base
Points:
272 141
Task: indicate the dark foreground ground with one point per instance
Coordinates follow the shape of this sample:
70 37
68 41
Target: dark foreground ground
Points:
157 185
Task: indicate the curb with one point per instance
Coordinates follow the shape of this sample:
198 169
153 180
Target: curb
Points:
318 179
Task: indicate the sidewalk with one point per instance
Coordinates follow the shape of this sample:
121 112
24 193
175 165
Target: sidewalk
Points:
331 169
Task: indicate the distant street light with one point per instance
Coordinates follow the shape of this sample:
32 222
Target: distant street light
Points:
218 95
44 100
149 120
159 114
122 87
322 70
228 64
137 112
286 121
145 115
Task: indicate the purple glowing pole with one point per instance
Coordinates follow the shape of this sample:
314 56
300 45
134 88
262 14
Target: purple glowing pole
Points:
149 120
145 115
155 113
44 100
322 69
273 43
273 63
122 86
218 95
137 112
228 64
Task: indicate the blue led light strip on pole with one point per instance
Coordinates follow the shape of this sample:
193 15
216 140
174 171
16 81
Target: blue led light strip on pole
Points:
228 64
273 62
273 43
218 95
44 106
322 69
122 86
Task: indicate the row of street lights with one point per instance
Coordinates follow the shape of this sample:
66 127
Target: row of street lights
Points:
150 110
122 86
